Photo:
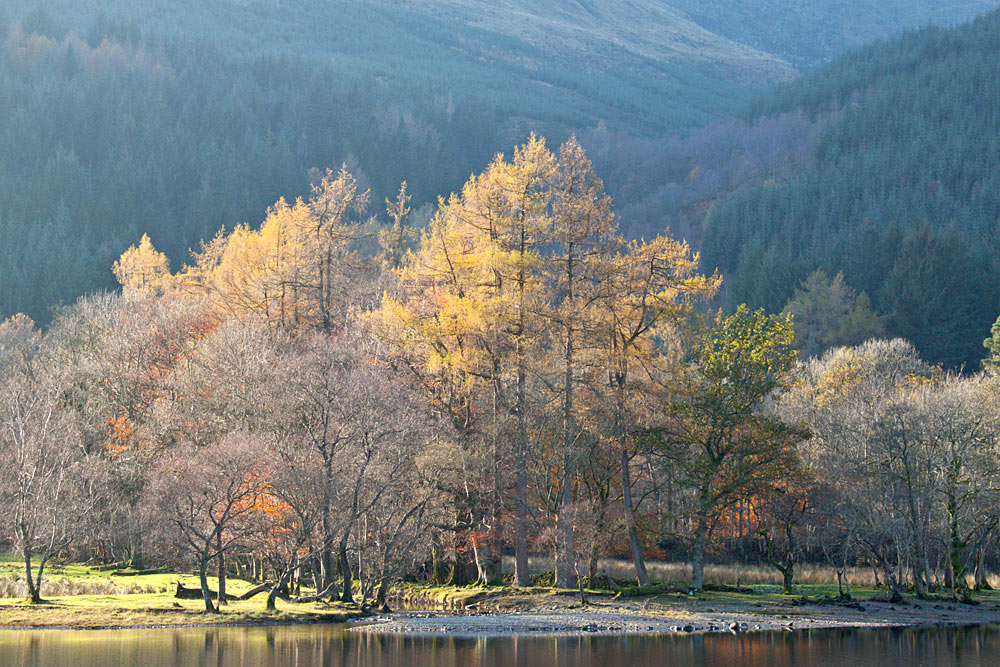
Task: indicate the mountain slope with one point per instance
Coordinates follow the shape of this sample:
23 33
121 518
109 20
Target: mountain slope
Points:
179 116
810 31
901 193
637 65
642 65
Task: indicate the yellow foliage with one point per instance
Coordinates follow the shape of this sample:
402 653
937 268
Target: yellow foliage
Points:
143 269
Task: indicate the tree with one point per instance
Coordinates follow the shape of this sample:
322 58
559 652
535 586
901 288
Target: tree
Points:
827 313
865 445
992 344
118 352
584 234
306 265
204 499
143 269
51 486
328 398
647 293
471 301
723 442
784 510
959 426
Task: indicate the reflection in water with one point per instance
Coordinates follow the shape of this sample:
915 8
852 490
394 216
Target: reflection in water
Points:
309 646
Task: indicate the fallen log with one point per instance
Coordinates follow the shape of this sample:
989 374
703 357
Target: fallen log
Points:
263 588
319 597
185 593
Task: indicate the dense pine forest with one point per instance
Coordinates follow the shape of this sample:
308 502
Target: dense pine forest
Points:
108 136
901 192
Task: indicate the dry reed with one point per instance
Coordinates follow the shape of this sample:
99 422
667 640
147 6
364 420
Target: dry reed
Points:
16 587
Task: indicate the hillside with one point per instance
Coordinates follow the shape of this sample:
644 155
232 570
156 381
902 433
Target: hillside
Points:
901 190
646 66
805 33
183 116
635 65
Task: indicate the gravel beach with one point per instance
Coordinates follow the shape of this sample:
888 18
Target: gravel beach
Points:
609 617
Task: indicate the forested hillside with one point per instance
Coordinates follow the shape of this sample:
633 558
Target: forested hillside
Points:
901 191
641 66
178 118
105 136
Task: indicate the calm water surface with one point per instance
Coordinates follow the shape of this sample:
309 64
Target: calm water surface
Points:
307 646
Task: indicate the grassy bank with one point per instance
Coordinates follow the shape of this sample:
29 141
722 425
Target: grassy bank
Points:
82 596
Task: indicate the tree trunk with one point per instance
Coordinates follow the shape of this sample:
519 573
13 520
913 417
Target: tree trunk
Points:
136 559
919 552
633 534
222 571
521 577
326 552
346 594
787 575
34 592
206 592
272 595
565 550
380 596
317 577
956 547
698 555
436 576
481 554
980 574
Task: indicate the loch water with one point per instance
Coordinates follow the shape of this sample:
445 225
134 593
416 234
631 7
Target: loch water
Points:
335 646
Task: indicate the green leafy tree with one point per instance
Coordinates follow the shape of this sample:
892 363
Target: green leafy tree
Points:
726 446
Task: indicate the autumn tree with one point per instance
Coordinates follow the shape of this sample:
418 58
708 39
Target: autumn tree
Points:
647 293
470 304
583 235
306 266
143 269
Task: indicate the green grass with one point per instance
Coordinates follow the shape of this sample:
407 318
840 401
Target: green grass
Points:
156 609
83 596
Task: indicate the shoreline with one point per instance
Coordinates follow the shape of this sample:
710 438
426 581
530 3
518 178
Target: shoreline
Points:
520 613
618 622
507 613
